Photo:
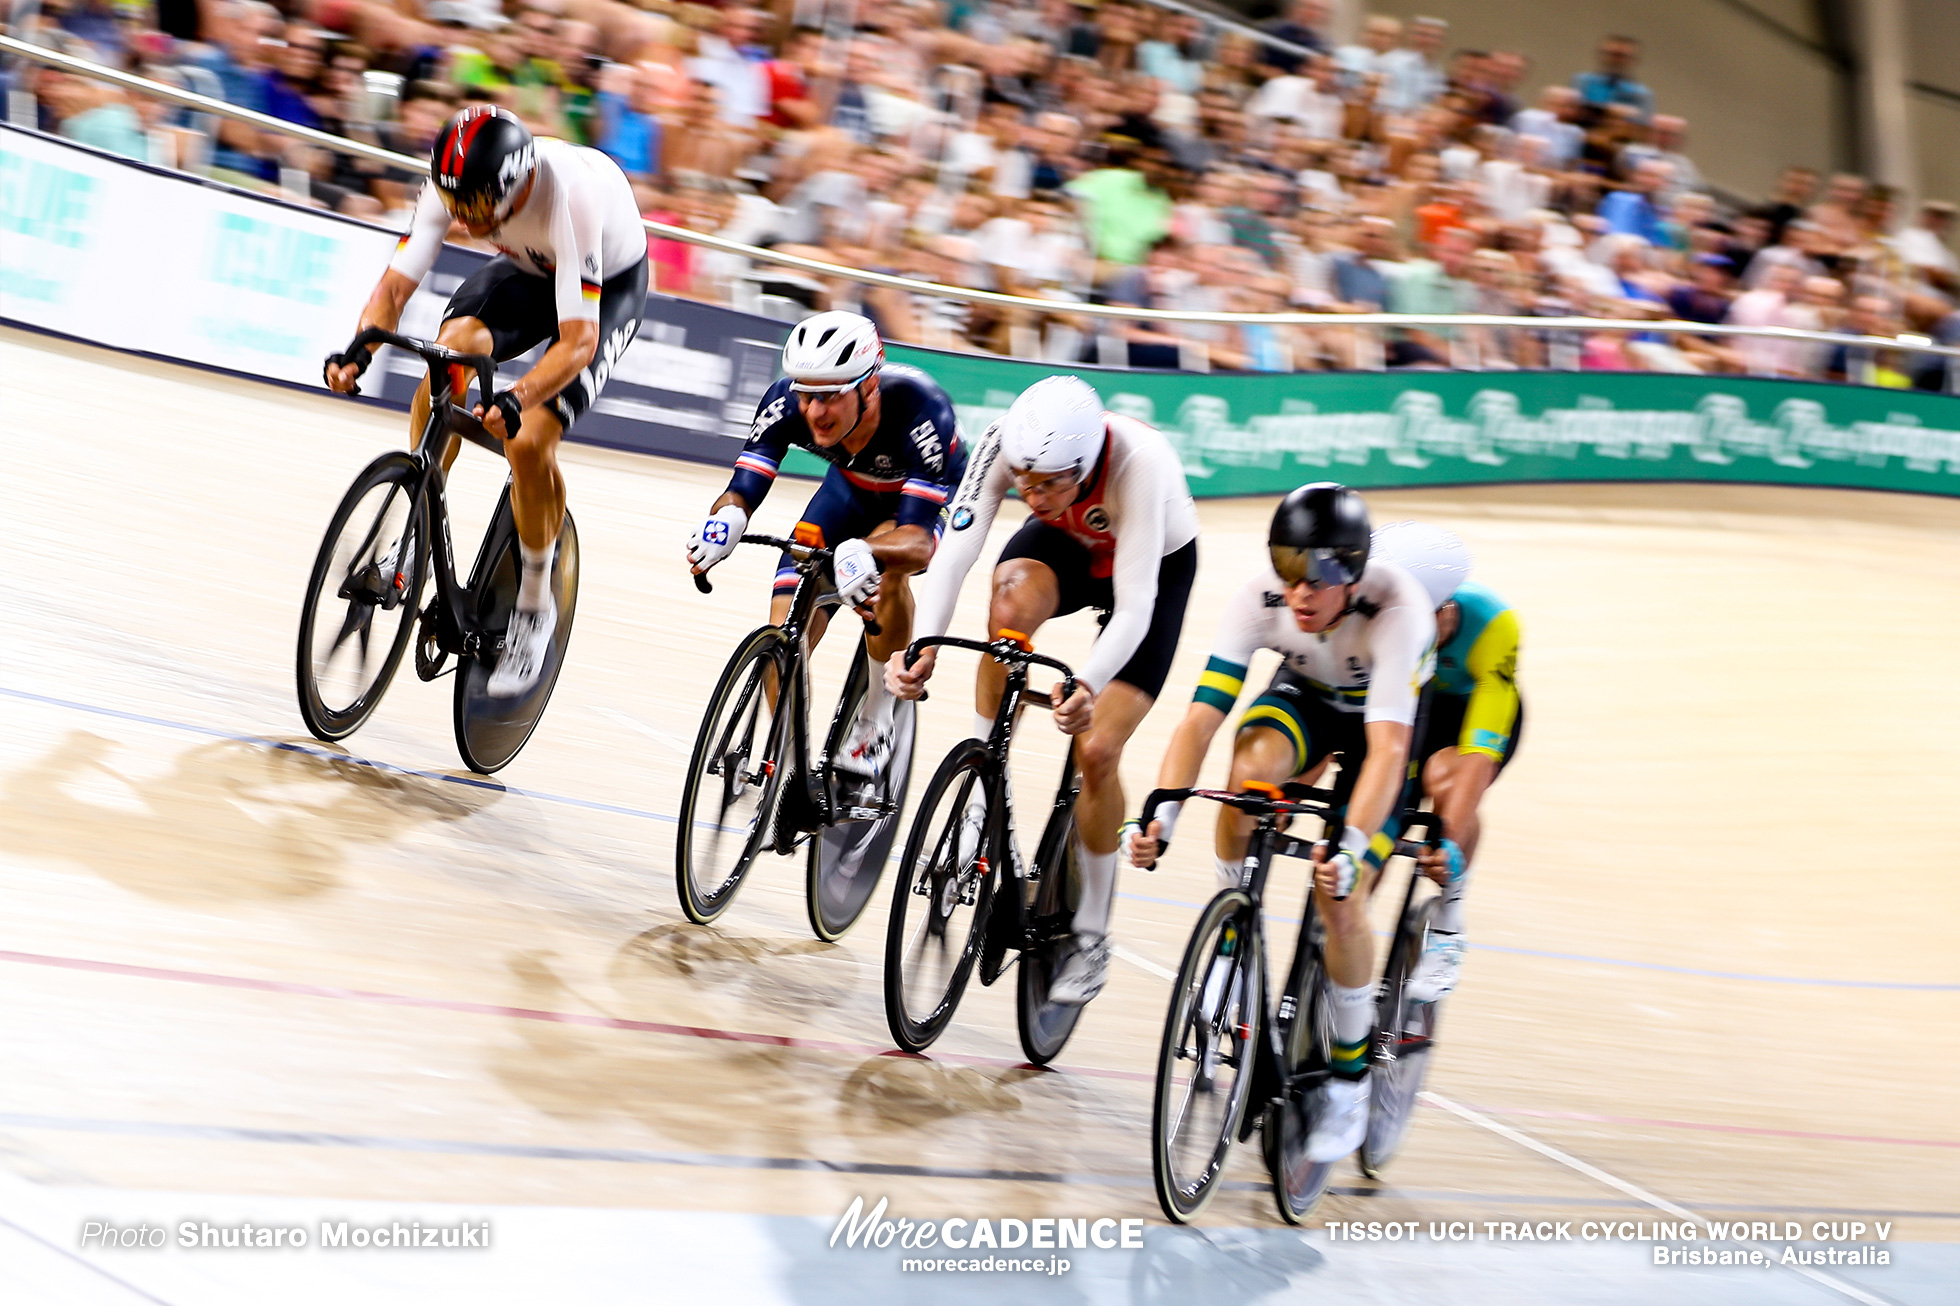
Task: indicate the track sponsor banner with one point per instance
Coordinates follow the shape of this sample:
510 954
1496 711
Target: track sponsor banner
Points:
1256 435
138 258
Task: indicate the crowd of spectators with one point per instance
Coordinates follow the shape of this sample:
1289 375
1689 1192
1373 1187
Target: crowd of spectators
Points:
1069 151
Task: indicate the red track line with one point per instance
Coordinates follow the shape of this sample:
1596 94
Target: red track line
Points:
524 1013
1717 1129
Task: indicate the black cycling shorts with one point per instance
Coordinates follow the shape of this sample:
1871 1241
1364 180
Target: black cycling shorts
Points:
521 311
1316 728
1066 556
1444 729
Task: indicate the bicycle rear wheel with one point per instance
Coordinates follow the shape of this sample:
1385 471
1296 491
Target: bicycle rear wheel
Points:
940 903
359 612
1299 1182
1206 1060
734 779
490 731
846 860
1045 1026
1404 1029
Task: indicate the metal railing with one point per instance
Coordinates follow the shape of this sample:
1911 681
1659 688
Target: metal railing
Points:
1555 329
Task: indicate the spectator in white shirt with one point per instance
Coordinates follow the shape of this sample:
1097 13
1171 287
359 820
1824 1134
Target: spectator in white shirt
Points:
1554 121
729 62
1412 74
1926 247
1378 40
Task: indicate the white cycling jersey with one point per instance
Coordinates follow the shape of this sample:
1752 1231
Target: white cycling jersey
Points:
1374 661
1136 513
579 227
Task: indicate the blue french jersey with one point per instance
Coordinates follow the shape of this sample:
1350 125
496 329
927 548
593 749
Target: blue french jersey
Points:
907 471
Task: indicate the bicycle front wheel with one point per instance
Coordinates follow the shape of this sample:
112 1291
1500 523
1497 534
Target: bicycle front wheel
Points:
1205 1062
1045 1026
940 903
846 860
734 778
359 613
1404 1030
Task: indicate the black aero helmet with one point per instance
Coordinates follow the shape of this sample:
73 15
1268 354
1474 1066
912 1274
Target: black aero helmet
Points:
481 159
1320 535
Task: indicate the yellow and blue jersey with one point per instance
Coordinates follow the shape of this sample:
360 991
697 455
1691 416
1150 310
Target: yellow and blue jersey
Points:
1480 663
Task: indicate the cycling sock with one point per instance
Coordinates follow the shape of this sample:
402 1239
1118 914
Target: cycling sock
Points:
983 725
1098 872
534 583
1228 872
1354 1020
1449 912
878 702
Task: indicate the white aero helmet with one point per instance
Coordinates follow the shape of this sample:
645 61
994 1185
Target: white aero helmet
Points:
1055 426
1434 556
831 352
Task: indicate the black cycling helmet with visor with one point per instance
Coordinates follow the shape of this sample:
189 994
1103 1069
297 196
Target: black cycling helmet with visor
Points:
481 160
1319 536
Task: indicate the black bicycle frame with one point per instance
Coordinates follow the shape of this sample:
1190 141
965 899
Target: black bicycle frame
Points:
451 622
818 807
1011 929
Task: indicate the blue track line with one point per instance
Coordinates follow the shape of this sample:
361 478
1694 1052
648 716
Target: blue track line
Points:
479 782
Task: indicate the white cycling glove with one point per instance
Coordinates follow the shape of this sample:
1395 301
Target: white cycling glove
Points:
716 538
856 571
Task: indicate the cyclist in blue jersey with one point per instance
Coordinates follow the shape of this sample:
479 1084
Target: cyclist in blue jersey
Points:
890 436
1475 719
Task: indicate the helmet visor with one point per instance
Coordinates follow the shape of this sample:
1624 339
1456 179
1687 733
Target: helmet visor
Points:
828 387
1315 568
472 211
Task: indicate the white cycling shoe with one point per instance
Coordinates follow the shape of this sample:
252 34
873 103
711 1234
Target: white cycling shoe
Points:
1439 967
866 749
1342 1121
527 645
1080 976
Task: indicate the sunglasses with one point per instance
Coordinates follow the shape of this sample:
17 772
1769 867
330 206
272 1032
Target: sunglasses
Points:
1317 569
823 391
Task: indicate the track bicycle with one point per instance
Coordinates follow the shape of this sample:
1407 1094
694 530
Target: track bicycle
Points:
750 784
360 612
1228 1064
966 897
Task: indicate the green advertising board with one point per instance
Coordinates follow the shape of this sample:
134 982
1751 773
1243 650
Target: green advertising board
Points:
1264 434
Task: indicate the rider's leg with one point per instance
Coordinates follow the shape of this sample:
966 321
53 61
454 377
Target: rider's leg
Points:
466 335
1120 709
1269 755
537 500
1026 594
893 609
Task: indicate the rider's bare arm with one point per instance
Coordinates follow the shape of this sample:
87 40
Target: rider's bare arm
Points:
577 343
905 549
384 310
1189 744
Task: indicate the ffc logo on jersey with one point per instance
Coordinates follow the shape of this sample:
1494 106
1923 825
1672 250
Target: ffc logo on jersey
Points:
771 414
926 441
715 532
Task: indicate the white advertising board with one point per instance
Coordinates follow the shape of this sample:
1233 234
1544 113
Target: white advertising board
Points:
116 253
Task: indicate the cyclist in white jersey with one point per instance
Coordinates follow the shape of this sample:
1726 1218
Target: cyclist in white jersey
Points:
1357 639
1114 528
572 271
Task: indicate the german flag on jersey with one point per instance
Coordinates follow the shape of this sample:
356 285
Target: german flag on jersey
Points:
588 290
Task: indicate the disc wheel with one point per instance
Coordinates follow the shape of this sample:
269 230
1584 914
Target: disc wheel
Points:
1404 1030
1299 1182
490 731
846 860
734 779
940 903
359 612
1045 1026
1205 1062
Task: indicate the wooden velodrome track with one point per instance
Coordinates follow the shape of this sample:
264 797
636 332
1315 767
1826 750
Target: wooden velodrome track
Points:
1712 926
